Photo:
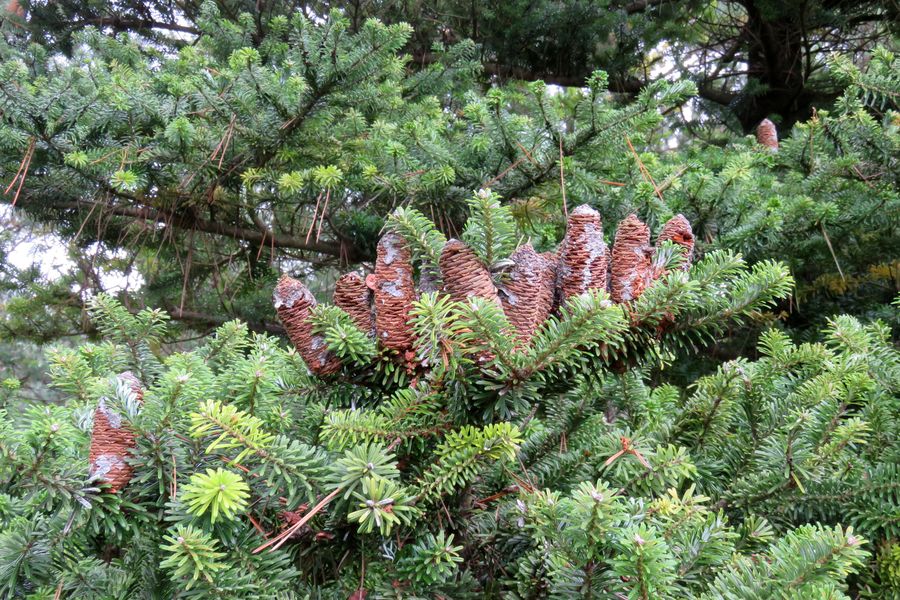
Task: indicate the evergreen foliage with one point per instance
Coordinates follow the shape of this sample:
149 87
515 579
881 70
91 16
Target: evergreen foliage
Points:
198 170
743 72
609 486
715 416
552 469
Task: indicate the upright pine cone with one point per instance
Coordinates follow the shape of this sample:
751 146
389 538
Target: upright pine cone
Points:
678 230
394 293
111 440
463 273
631 260
582 254
353 297
767 135
527 295
293 302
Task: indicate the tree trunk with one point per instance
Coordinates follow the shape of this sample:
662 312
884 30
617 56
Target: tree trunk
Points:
776 59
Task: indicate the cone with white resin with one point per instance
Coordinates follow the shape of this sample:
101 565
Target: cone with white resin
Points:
631 260
293 302
394 293
112 439
582 254
527 292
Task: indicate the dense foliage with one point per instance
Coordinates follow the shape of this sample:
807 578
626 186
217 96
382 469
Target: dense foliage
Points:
543 470
546 407
199 172
750 59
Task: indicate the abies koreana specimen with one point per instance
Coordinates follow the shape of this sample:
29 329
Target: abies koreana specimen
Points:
528 287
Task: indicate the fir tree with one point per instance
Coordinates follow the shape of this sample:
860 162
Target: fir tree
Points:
196 168
552 386
475 464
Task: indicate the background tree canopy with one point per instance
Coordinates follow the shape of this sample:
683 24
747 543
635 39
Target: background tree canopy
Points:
749 59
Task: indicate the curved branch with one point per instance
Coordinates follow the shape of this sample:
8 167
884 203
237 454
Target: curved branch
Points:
189 222
124 24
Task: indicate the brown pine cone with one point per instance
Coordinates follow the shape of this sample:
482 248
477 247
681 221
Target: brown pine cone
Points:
293 302
678 230
631 260
464 275
394 293
582 254
353 297
13 7
767 135
527 295
111 440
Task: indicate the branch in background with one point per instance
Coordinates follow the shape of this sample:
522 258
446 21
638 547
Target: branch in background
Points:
618 85
189 222
641 5
118 23
719 96
191 317
504 71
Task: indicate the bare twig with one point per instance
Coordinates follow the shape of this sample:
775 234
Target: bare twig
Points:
562 180
644 171
276 542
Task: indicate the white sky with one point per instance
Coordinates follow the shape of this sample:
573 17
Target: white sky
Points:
50 253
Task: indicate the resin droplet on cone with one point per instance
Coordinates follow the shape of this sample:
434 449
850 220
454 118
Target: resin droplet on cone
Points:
631 260
111 440
355 298
293 302
394 293
582 254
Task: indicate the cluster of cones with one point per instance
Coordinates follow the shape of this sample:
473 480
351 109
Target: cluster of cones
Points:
112 440
531 290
